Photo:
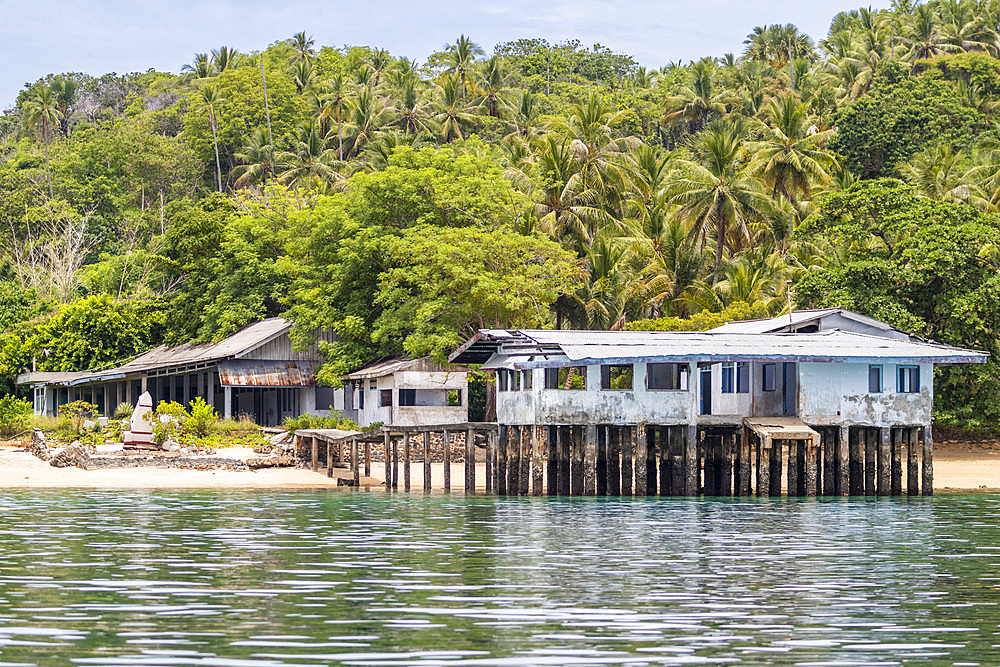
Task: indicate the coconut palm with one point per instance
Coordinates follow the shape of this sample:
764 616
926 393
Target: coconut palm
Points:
789 156
697 100
368 116
302 48
335 106
200 66
209 100
942 173
452 114
311 161
224 58
255 158
303 75
65 91
923 35
460 57
42 112
495 97
715 191
526 113
414 116
379 60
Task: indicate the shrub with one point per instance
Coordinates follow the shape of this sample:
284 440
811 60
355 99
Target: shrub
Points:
122 411
164 429
335 420
15 415
76 412
201 419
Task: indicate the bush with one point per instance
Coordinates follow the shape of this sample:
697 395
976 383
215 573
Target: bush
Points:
76 412
201 418
335 420
15 415
122 411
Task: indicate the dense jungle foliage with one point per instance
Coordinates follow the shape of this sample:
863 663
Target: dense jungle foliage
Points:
406 204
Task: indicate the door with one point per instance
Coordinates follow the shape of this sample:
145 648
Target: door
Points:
789 389
705 386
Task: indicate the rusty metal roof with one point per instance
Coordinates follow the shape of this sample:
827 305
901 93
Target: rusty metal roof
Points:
387 367
256 373
552 348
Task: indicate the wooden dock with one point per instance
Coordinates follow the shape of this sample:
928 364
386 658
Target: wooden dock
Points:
761 457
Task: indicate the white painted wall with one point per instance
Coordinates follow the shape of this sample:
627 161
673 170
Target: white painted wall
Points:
831 394
432 389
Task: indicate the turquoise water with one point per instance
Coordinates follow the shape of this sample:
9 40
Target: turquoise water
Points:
269 578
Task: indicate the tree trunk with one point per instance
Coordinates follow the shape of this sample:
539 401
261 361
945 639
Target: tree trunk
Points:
48 174
215 142
267 114
340 138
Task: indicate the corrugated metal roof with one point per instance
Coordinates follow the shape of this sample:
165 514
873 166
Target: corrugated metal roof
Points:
387 367
602 347
799 317
276 373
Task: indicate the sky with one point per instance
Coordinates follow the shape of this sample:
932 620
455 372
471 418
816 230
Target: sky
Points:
100 36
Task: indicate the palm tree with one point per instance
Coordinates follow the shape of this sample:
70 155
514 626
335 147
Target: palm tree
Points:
695 101
200 66
256 158
224 58
65 92
788 156
379 60
43 113
303 75
526 114
923 34
461 55
310 161
493 83
413 115
335 104
715 191
941 173
302 47
208 100
965 27
368 116
452 114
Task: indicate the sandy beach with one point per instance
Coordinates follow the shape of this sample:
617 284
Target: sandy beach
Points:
959 465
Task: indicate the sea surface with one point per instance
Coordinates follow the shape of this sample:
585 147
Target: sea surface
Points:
255 579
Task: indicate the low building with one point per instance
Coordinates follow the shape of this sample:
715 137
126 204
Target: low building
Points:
254 371
840 379
407 392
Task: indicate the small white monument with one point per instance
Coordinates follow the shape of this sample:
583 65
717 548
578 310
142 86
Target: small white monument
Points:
140 428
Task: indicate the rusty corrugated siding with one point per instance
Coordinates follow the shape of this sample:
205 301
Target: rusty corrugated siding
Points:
260 373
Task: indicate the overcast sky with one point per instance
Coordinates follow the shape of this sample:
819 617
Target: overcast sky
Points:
99 36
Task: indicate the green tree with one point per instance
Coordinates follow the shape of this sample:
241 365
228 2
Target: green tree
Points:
43 113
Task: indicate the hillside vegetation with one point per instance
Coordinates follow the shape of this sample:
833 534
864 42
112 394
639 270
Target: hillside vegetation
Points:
406 204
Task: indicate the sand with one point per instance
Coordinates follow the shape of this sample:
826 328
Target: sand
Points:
959 465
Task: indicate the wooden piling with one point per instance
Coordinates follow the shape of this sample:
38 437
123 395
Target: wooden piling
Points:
829 445
912 467
639 445
501 470
368 459
691 460
871 458
565 453
427 461
652 480
514 461
663 461
446 440
857 476
491 448
538 461
675 443
896 483
763 467
314 447
842 475
524 475
614 461
388 460
794 448
355 463
810 478
395 463
776 453
406 460
709 457
590 461
883 474
601 462
726 474
470 462
626 438
743 463
578 477
329 459
927 476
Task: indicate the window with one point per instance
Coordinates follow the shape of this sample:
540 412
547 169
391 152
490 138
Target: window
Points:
361 396
668 377
742 377
728 378
515 381
455 398
616 377
526 380
551 378
567 377
385 398
501 380
908 380
768 377
874 379
373 384
407 397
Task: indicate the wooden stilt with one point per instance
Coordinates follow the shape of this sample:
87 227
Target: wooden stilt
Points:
502 450
491 448
829 446
842 475
355 468
590 460
314 445
552 463
675 443
578 479
927 476
427 461
601 462
388 460
514 462
652 480
626 439
912 467
726 460
871 458
857 478
395 463
340 453
809 477
793 467
776 455
711 445
565 464
691 460
329 459
538 461
896 483
743 463
446 440
406 460
368 459
524 478
639 441
470 462
614 461
763 467
665 456
883 473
